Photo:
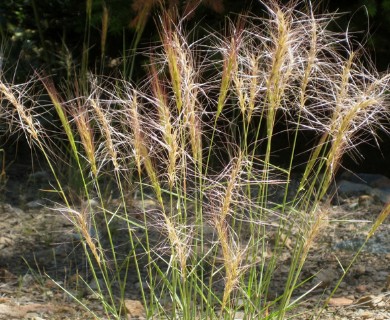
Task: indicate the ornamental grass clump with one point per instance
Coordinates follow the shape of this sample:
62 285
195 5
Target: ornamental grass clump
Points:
188 156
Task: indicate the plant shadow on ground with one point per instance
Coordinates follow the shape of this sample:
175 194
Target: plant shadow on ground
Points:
35 247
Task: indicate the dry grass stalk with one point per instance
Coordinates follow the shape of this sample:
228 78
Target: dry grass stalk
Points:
170 134
179 239
103 38
382 217
231 251
27 122
83 224
81 118
174 56
282 62
310 64
230 65
107 132
183 80
141 151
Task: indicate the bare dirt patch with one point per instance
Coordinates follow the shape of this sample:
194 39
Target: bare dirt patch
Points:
39 252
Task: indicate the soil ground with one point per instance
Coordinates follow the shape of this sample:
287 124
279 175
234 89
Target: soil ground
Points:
39 251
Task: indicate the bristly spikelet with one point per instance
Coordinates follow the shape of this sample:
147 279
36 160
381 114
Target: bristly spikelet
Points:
169 132
85 131
231 254
174 56
361 97
230 66
182 79
106 131
142 155
81 219
27 122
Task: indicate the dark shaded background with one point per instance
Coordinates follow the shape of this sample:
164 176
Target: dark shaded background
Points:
49 35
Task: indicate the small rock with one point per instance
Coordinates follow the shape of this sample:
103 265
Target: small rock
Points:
367 315
339 302
239 315
359 270
239 304
371 179
349 188
361 288
365 201
96 285
36 204
135 309
325 277
381 182
94 296
383 195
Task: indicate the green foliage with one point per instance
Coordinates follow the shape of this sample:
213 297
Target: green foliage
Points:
377 8
371 6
